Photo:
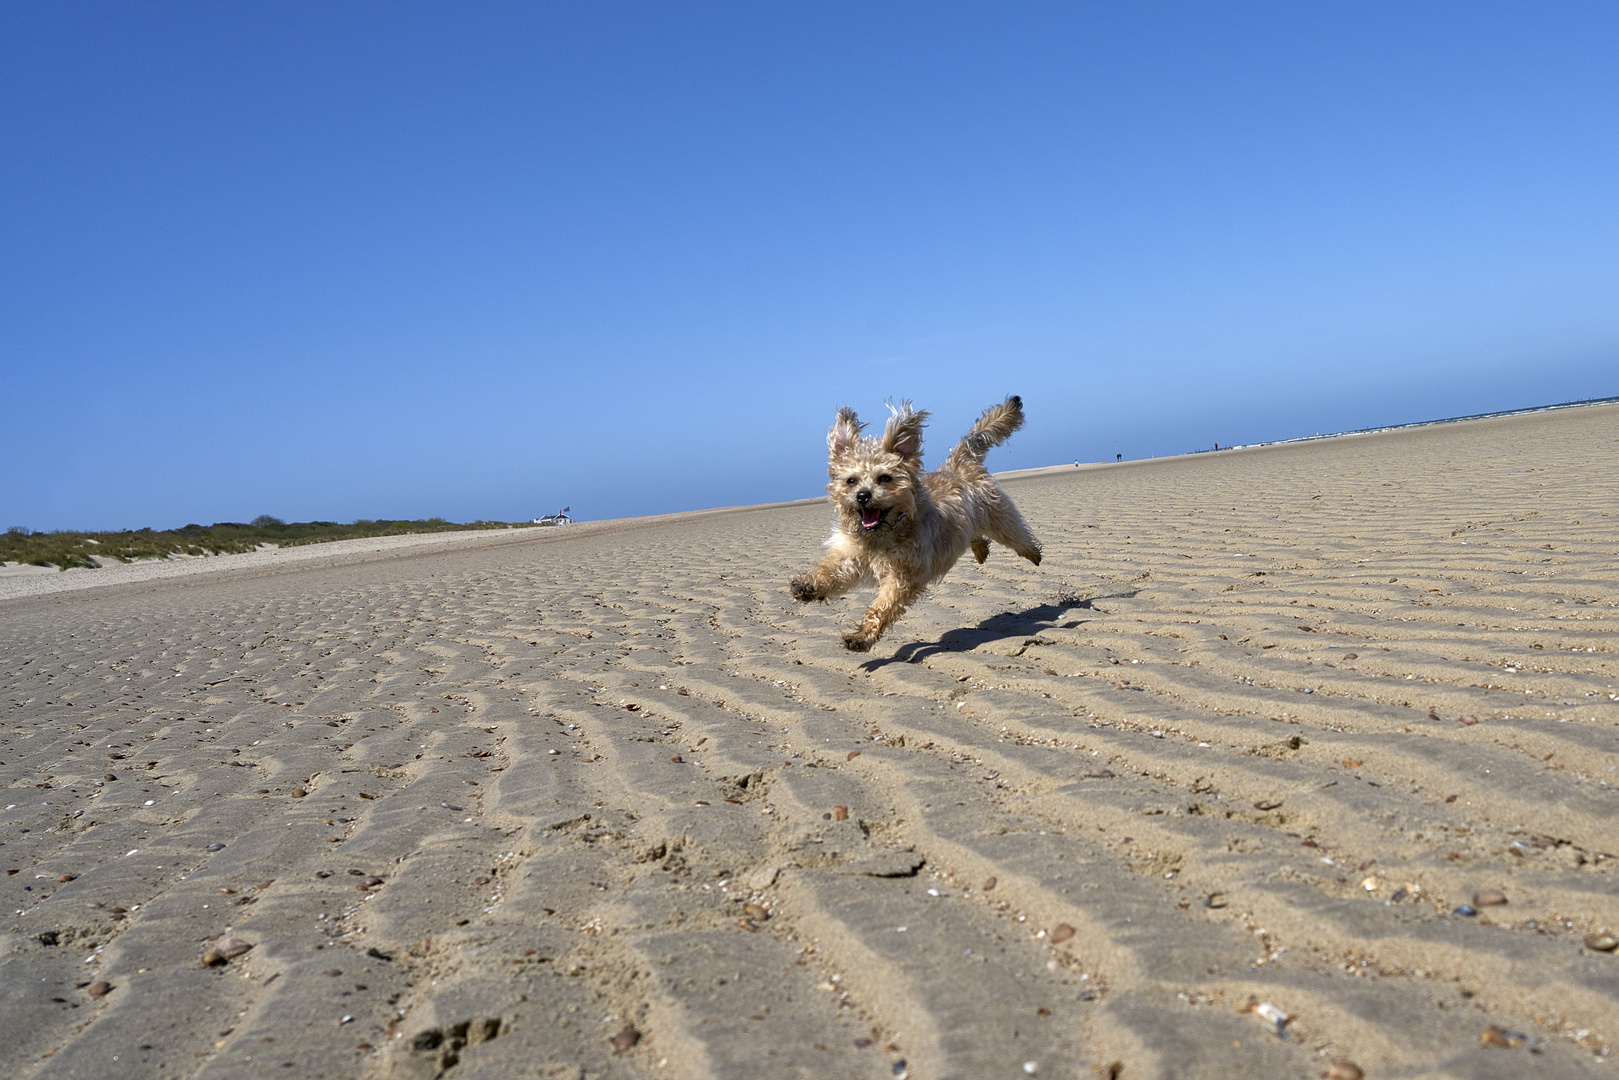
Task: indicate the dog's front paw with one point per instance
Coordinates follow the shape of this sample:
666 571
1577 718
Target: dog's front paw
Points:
804 589
858 642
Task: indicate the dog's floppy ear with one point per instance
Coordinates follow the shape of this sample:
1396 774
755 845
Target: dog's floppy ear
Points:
903 435
845 432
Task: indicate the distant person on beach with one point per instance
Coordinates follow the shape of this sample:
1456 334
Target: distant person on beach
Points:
1118 457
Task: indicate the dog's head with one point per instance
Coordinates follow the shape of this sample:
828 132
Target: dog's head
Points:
874 482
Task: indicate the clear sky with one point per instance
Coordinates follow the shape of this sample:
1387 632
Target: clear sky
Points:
479 260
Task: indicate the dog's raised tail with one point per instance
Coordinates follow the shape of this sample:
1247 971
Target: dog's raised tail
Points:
994 427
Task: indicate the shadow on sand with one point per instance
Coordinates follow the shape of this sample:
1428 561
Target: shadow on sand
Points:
1008 624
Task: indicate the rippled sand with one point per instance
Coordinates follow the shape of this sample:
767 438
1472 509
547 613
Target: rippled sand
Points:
1211 753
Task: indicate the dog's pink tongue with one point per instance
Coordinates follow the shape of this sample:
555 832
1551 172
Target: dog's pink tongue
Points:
869 518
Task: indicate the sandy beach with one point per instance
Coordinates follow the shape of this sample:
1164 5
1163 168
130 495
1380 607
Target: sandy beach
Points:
1284 757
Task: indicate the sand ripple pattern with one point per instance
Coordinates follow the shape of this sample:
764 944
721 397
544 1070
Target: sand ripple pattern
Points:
607 803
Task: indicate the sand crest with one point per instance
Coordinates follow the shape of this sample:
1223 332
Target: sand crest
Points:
605 802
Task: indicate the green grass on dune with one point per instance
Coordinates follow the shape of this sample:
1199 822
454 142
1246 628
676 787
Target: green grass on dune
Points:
66 549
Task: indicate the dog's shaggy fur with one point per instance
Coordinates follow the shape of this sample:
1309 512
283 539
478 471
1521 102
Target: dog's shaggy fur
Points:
905 528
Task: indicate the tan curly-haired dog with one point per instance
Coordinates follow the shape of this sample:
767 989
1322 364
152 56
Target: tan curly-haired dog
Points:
905 528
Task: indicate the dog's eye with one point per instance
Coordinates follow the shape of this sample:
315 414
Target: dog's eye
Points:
850 481
884 478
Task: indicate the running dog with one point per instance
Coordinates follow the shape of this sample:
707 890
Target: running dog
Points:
903 528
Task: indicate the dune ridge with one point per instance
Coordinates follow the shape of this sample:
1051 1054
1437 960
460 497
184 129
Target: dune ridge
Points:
606 802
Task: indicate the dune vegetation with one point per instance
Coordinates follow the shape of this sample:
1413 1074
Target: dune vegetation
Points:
66 548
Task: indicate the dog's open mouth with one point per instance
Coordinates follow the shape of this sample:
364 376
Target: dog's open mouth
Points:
870 518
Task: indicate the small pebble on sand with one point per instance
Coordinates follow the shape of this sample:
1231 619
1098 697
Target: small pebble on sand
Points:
626 1038
299 793
1061 933
1489 898
840 813
99 988
224 951
1603 942
989 883
1502 1038
1344 1070
1272 1016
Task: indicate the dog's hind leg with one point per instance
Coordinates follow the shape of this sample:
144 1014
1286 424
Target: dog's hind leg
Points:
1007 527
893 597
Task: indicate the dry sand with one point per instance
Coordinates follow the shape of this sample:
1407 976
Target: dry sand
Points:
485 805
19 580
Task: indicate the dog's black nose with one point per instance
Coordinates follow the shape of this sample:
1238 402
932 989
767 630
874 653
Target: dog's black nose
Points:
863 498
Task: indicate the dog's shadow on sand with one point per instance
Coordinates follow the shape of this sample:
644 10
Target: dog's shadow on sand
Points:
1008 624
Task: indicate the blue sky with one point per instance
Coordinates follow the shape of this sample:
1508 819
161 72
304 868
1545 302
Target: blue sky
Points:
485 260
